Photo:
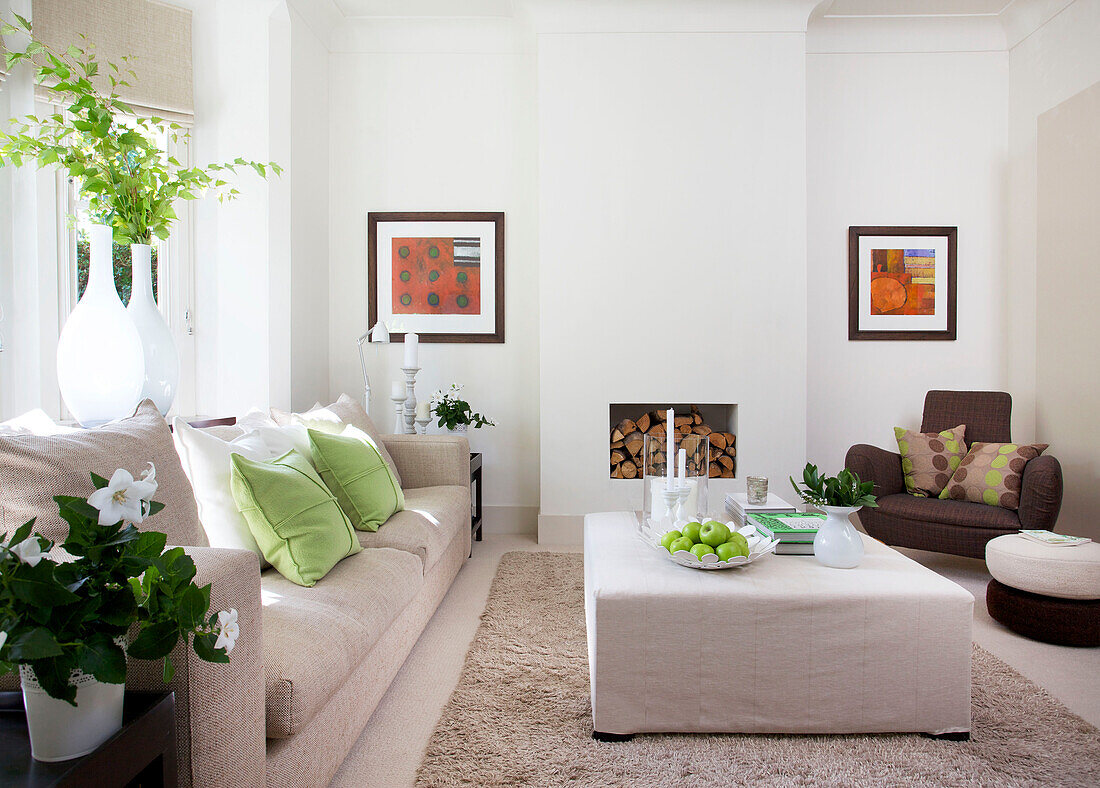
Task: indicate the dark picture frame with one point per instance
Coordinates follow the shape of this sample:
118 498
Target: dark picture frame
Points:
948 236
497 291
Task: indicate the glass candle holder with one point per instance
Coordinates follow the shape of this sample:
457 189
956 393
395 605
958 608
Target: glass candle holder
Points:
757 490
655 464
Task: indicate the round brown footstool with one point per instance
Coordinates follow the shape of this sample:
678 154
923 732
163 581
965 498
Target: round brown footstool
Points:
1045 593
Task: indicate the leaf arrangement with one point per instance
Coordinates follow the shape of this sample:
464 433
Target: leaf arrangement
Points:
60 616
452 410
129 182
844 489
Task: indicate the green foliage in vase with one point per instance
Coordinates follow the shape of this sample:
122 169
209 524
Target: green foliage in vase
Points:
844 489
129 182
452 410
58 616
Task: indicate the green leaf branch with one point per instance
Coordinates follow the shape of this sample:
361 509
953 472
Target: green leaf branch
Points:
844 489
112 155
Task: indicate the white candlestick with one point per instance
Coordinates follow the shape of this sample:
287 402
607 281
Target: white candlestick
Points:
423 411
411 341
681 461
397 390
670 448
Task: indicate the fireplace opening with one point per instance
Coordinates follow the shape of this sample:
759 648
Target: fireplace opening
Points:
629 423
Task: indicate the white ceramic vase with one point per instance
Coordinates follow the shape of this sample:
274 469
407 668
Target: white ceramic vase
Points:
100 365
162 363
59 731
838 544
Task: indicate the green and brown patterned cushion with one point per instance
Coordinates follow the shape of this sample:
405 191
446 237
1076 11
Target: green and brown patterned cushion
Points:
929 458
992 473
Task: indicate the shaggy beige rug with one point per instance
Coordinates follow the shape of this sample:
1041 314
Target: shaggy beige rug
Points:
520 715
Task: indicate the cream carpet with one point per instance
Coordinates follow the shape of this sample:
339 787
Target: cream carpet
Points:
520 716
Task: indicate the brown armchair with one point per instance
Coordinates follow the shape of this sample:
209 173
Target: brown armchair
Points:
957 527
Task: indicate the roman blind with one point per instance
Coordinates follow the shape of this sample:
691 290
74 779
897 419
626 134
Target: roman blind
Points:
156 35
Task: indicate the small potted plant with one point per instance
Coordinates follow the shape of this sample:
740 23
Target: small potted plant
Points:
68 625
455 413
837 543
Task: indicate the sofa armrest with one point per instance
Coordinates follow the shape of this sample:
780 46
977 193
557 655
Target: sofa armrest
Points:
219 708
430 460
1041 493
882 467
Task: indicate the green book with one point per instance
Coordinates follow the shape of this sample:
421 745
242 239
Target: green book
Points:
789 527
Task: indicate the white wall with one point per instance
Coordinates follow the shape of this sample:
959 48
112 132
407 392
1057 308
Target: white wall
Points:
904 139
672 247
309 215
439 116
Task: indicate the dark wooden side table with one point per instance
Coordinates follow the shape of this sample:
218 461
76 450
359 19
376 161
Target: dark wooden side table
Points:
142 753
475 482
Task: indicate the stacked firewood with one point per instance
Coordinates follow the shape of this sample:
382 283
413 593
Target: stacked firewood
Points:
627 440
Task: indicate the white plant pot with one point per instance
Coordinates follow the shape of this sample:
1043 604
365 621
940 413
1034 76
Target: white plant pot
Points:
60 732
162 362
838 543
100 364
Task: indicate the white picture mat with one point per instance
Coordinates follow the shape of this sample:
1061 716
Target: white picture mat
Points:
869 322
484 323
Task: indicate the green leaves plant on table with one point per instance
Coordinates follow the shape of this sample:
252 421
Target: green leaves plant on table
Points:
844 489
60 616
130 182
453 411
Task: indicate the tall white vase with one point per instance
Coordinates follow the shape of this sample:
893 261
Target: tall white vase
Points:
100 365
838 544
162 362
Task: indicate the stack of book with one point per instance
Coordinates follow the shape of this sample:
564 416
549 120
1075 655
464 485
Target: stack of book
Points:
795 532
1053 539
738 507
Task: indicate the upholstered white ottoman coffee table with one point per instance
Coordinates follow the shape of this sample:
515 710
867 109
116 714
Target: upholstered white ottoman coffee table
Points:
783 645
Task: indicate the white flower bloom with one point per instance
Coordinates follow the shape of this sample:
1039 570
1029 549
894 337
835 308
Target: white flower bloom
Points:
228 630
3 638
29 551
124 498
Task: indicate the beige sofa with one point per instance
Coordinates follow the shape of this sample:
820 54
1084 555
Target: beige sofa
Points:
311 664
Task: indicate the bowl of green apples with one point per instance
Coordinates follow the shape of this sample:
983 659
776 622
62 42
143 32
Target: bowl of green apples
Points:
710 544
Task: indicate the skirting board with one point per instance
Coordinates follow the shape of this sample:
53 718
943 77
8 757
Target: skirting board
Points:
510 520
563 529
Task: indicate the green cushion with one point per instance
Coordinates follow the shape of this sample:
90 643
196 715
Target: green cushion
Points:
296 522
354 470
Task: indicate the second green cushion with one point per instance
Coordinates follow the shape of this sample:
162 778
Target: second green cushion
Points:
353 469
297 523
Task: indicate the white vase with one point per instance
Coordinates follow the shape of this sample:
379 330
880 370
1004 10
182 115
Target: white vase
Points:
100 365
162 362
59 731
838 544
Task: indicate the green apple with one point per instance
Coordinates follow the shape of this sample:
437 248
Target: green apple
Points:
714 533
729 550
701 550
741 542
683 543
691 531
669 538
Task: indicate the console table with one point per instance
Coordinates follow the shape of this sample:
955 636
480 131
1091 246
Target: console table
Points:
142 753
475 482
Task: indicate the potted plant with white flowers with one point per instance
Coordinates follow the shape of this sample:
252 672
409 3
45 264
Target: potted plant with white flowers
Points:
455 413
68 620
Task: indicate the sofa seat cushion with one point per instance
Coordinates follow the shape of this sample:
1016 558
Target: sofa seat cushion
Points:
314 637
433 516
932 510
1063 572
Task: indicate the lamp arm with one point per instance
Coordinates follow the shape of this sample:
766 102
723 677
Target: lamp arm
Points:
366 378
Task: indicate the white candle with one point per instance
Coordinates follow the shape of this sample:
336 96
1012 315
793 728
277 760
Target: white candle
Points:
670 446
397 390
411 340
681 461
423 410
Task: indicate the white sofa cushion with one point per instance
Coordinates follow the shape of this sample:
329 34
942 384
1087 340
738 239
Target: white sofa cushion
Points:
1064 572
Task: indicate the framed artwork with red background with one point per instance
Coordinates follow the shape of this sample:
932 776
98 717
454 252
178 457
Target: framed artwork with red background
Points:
440 275
902 282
